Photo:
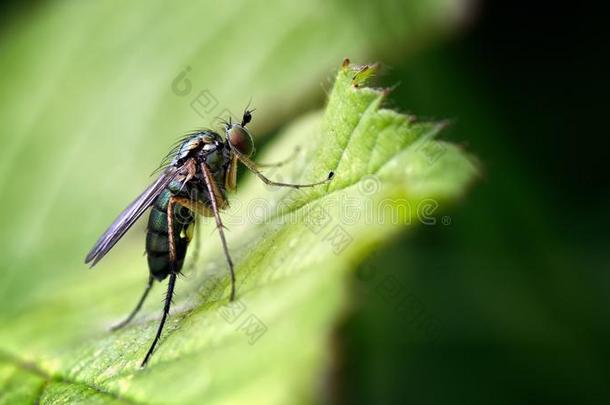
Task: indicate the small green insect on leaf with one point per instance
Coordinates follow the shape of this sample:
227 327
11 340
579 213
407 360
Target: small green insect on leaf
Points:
362 73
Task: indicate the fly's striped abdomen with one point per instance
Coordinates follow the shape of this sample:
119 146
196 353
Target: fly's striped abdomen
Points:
157 237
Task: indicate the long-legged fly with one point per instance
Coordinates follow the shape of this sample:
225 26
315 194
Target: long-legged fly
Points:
197 174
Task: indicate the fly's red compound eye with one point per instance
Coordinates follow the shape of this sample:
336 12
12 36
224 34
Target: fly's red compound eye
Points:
241 140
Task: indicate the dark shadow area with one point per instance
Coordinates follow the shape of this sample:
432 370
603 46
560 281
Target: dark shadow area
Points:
508 303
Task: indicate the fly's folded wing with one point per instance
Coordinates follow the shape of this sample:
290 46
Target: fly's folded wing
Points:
129 216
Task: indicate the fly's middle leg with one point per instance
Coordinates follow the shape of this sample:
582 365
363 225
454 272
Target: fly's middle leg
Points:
195 236
215 205
202 209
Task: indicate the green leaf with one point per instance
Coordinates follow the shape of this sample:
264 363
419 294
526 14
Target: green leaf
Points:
293 251
91 99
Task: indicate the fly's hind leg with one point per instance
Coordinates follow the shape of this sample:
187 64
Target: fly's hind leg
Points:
138 306
172 276
168 302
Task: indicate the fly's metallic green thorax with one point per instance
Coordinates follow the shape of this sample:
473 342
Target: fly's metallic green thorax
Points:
194 143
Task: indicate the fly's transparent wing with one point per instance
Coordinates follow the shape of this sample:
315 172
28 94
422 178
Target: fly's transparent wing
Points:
129 216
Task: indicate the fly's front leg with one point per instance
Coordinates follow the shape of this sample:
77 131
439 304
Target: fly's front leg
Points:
254 169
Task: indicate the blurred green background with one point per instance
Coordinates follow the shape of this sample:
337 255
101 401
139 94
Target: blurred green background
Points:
507 304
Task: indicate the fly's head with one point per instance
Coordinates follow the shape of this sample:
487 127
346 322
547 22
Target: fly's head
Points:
238 137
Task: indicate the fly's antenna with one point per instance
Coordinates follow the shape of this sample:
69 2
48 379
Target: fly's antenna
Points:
247 117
